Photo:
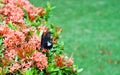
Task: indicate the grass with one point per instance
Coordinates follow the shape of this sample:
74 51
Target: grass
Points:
91 32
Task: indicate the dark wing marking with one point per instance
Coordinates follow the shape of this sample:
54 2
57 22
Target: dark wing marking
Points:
46 41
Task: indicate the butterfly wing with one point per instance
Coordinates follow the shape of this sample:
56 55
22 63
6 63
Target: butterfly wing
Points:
46 41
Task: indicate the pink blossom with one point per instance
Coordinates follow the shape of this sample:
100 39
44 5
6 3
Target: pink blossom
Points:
43 28
13 10
40 60
14 40
25 31
17 2
10 54
26 63
13 13
5 1
62 61
35 12
31 44
69 62
15 66
18 42
35 41
4 30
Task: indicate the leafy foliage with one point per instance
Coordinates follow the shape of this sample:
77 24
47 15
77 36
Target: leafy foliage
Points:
20 42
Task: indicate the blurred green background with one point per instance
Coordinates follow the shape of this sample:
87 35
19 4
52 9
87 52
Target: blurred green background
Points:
91 32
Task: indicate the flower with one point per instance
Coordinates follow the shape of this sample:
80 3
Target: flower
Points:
15 4
40 60
29 46
63 61
59 60
4 30
35 42
26 65
9 55
42 28
13 13
35 12
26 31
14 39
69 62
14 67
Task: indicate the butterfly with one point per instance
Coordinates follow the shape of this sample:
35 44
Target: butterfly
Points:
46 42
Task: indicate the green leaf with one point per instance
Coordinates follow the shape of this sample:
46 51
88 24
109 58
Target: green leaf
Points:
30 33
48 10
41 73
0 41
10 25
60 73
52 68
5 70
29 71
1 47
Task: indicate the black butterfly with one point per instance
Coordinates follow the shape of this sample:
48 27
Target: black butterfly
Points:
46 42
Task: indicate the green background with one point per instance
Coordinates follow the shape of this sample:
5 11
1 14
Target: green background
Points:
91 33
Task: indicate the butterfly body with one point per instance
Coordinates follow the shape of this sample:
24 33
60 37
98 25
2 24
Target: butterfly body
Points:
46 42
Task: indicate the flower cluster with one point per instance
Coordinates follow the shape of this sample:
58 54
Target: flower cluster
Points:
13 10
22 27
40 60
13 13
62 61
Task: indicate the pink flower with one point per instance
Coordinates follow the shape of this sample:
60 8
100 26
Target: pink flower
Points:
69 62
4 30
30 46
18 42
13 10
62 61
43 28
35 41
17 2
40 60
13 13
25 4
5 1
25 31
35 12
14 40
26 63
15 66
10 54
